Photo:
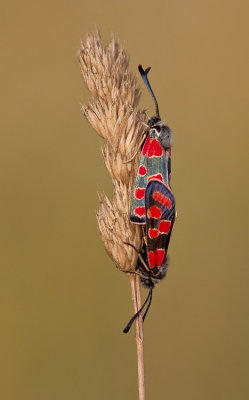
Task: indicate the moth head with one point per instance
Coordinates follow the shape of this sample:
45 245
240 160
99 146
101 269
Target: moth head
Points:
154 121
147 282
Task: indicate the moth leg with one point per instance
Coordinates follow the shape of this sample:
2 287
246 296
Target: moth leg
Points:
129 244
132 272
138 149
141 121
144 235
144 112
139 256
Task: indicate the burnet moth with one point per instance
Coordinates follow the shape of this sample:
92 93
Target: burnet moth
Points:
152 261
155 159
157 204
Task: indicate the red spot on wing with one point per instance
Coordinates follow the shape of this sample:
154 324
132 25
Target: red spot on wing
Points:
160 253
158 177
161 198
142 170
146 146
139 193
151 257
140 211
155 149
164 226
154 212
153 233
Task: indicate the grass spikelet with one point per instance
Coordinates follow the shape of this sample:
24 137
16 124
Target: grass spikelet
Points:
112 113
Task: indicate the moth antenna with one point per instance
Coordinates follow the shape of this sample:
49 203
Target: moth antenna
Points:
148 307
147 83
128 326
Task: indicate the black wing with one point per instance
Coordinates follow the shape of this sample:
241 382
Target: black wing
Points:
160 218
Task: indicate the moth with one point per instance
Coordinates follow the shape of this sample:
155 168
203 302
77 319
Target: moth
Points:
155 159
153 261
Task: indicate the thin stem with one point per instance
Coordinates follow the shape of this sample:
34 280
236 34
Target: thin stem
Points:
136 299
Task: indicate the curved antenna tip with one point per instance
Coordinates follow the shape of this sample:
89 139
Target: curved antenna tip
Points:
142 71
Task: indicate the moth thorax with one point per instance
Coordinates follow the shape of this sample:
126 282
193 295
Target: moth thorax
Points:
164 134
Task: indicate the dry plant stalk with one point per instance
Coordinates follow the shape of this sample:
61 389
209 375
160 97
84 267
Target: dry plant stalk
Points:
112 113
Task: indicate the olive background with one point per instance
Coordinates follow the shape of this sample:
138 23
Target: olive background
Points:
63 303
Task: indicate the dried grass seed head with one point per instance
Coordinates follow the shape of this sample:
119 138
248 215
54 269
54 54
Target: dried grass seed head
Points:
112 113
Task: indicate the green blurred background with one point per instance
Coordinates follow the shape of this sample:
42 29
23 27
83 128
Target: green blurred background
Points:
63 303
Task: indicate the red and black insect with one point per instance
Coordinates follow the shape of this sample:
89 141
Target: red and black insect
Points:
155 159
160 217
